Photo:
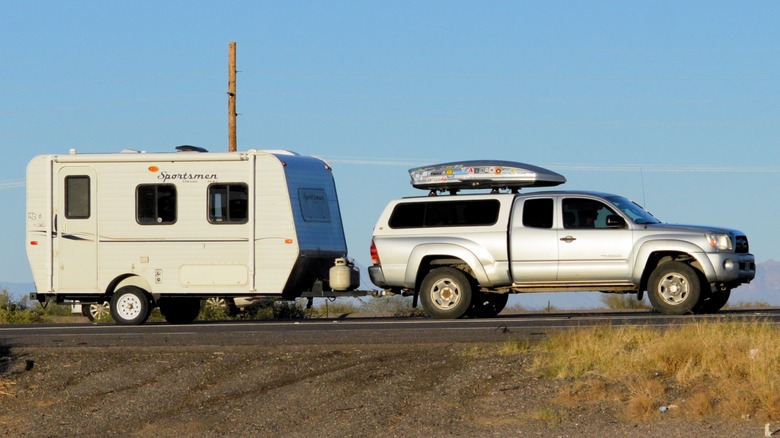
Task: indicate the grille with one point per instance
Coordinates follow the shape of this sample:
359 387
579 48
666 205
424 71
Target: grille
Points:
742 246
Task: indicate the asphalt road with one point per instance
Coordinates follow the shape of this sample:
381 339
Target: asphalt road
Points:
344 331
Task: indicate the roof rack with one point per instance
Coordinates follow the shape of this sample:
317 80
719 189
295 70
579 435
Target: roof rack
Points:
482 174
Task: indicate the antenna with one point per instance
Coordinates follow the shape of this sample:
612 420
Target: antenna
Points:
642 176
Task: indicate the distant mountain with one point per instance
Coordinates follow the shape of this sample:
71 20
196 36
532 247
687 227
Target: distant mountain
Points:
765 288
17 290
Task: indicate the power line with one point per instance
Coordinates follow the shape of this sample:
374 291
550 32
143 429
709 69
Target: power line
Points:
580 167
15 184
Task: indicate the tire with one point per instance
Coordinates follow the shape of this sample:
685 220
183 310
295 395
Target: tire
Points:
130 306
220 303
487 305
446 293
85 311
180 310
96 311
712 302
674 288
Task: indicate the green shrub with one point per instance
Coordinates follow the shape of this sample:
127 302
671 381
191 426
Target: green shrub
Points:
20 311
276 310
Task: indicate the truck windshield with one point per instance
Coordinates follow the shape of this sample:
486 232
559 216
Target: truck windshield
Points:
633 210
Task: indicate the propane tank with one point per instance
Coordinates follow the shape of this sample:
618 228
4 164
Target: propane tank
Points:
340 275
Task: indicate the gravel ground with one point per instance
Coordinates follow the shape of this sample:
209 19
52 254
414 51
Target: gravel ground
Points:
415 390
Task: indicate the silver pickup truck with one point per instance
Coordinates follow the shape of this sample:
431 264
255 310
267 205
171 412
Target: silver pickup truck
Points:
463 254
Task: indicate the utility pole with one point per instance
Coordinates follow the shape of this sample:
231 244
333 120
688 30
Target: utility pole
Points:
232 97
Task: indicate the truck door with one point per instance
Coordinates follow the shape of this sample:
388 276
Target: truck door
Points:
75 227
588 247
533 242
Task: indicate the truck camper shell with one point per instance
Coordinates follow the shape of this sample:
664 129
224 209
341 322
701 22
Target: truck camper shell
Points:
184 225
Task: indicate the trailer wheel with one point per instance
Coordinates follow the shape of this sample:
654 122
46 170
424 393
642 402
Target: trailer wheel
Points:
96 311
446 293
674 288
487 305
180 310
130 306
220 304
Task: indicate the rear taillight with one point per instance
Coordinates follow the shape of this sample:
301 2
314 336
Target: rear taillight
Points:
374 254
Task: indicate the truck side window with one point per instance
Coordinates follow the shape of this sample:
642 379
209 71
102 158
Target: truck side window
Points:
228 203
458 213
538 213
155 204
585 213
77 197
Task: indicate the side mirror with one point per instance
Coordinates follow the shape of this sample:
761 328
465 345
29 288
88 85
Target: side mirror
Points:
615 221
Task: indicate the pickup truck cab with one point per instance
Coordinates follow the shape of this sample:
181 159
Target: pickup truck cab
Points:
462 254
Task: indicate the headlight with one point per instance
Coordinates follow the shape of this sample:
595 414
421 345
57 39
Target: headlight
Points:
722 242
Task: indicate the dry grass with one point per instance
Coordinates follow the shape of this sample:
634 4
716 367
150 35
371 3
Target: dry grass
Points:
5 388
725 368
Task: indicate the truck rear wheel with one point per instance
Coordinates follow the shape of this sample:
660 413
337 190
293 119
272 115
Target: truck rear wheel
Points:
130 306
487 305
446 293
180 310
674 288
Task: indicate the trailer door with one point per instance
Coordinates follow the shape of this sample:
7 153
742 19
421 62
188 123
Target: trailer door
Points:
75 225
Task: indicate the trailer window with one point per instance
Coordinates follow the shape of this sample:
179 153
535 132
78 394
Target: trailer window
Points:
77 197
458 213
314 205
155 204
228 203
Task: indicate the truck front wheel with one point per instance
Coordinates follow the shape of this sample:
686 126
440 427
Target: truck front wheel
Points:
446 293
674 288
130 306
487 305
712 301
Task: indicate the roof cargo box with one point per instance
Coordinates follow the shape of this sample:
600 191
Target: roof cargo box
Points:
483 174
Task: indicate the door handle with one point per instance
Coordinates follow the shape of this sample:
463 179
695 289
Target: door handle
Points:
568 239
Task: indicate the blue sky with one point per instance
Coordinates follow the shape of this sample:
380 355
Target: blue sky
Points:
674 104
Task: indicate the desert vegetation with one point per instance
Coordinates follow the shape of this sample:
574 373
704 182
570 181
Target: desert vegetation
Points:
724 369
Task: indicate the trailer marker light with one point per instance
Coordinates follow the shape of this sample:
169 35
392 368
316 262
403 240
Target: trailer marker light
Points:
153 168
288 241
33 242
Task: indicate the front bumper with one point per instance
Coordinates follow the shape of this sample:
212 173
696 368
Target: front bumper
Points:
733 268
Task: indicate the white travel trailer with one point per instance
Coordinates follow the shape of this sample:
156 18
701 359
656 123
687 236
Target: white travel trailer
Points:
142 230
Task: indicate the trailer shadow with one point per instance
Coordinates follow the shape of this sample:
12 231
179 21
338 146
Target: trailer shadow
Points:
6 359
12 363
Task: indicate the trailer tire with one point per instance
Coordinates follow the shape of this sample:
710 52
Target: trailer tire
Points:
446 293
674 288
220 304
180 310
130 306
96 311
